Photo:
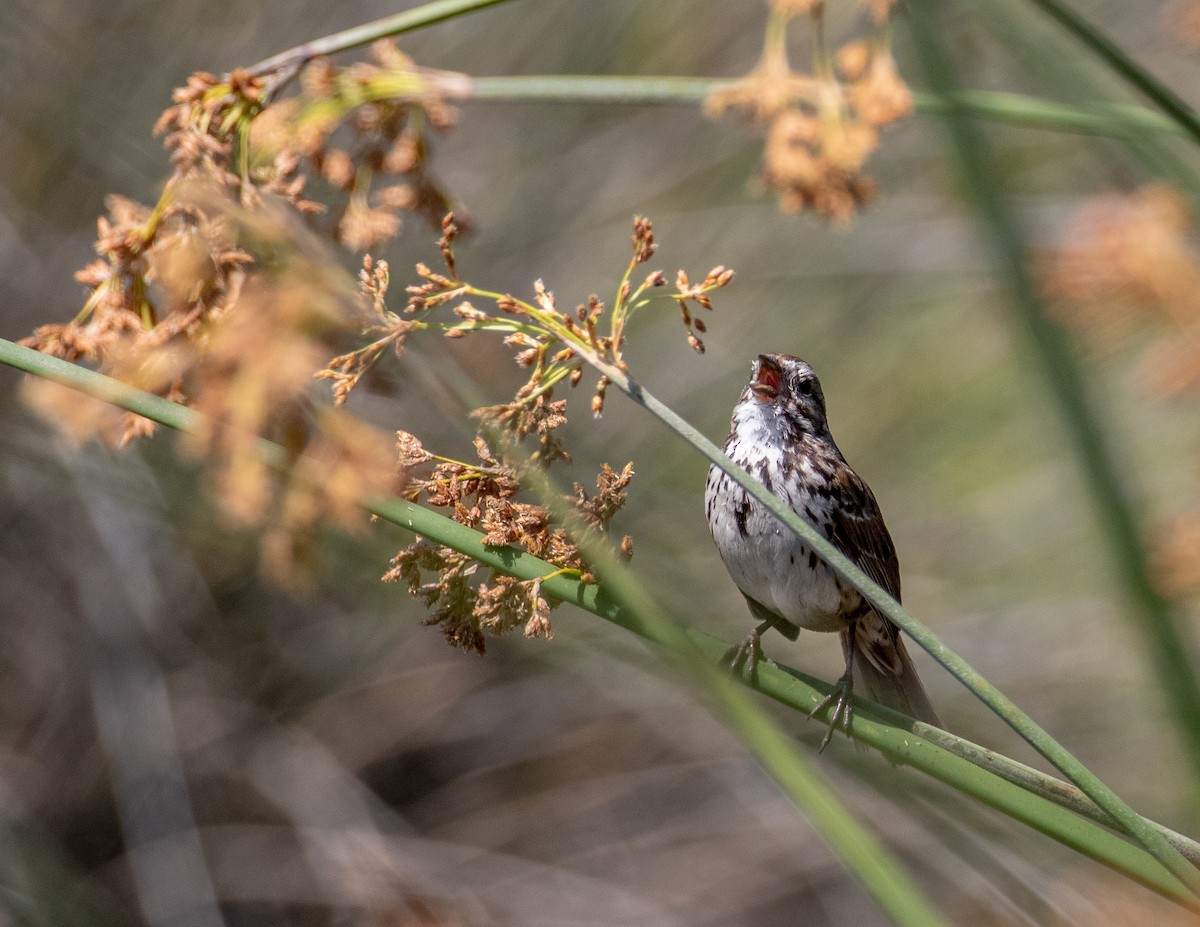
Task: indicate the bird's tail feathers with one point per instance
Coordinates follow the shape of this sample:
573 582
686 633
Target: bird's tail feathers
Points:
900 690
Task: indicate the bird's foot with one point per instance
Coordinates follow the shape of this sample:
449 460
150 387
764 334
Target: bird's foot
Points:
746 653
842 709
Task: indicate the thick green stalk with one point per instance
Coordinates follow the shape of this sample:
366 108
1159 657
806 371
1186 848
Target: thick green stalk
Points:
804 693
995 780
1173 662
621 600
986 781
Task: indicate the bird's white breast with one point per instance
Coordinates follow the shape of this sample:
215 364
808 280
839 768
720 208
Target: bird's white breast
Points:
767 561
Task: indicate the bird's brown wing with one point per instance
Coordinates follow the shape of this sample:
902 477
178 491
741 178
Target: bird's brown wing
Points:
888 674
858 531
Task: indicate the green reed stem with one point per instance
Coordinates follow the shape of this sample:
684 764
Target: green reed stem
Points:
417 18
597 600
981 179
623 601
1124 65
1108 119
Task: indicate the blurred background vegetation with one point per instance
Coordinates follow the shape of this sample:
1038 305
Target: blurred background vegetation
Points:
182 743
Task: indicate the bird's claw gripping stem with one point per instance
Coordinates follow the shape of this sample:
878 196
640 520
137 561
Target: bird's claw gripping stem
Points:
842 710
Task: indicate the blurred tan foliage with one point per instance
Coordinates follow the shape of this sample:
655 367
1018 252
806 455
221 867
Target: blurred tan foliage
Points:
555 347
821 127
1181 21
225 297
1128 270
221 297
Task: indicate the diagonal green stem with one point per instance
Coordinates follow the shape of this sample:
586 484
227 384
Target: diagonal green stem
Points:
956 762
621 600
804 693
1115 56
426 15
1109 119
995 780
1005 708
1136 826
1005 237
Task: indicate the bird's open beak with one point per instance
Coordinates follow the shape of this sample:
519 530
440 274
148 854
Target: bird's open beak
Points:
768 379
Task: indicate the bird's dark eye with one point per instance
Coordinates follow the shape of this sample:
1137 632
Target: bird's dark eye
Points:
804 387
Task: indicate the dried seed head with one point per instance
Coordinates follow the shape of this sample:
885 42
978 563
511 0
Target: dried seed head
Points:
643 240
598 398
544 297
521 340
853 58
446 243
467 311
337 167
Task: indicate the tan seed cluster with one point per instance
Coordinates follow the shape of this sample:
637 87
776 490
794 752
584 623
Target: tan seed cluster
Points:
226 297
1127 270
821 127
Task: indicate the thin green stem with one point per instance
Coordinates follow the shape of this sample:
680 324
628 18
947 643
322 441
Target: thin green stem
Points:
623 601
964 766
1113 120
1175 667
1115 56
572 88
999 703
417 18
1062 794
1107 119
892 735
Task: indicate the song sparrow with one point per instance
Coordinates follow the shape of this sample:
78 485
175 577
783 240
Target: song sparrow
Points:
780 435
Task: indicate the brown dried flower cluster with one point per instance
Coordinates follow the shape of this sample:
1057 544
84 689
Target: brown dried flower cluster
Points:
161 276
1130 263
345 463
483 496
221 298
555 347
365 130
243 356
820 127
168 274
1129 267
